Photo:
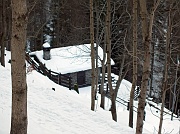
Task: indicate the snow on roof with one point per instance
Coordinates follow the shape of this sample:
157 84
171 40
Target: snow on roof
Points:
70 59
46 45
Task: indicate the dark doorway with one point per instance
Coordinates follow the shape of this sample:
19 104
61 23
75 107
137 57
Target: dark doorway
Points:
81 78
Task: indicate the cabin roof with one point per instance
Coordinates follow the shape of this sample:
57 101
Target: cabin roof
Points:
70 59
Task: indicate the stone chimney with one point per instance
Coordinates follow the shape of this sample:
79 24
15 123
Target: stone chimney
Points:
46 51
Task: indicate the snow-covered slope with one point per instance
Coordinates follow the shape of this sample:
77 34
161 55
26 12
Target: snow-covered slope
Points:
65 112
54 112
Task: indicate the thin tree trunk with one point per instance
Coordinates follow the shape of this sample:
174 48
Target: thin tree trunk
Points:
152 70
121 75
161 114
108 39
2 48
134 63
177 101
97 44
103 78
166 67
104 65
9 25
18 68
3 34
102 104
113 107
92 57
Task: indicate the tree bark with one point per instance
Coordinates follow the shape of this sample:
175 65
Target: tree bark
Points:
18 68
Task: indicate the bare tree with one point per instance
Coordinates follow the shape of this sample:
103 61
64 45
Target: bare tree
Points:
18 68
100 41
147 36
102 91
166 64
108 39
123 57
173 73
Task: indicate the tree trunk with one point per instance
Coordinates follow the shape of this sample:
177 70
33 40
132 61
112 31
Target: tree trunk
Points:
121 74
147 36
18 68
113 107
134 15
3 34
152 70
102 104
9 25
108 39
103 93
97 44
177 99
166 66
102 79
92 57
2 48
161 114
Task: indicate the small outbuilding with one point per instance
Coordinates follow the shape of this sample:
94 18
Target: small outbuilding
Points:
46 51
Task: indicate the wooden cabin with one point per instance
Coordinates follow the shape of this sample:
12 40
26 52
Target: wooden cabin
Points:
73 62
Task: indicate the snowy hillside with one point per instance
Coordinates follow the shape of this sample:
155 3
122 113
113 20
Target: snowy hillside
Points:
53 112
65 112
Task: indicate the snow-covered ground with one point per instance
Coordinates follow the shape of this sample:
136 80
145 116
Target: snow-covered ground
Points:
65 112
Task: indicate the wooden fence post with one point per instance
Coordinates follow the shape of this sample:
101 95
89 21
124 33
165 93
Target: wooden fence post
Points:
138 91
69 82
99 89
128 105
41 68
49 75
144 115
59 78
